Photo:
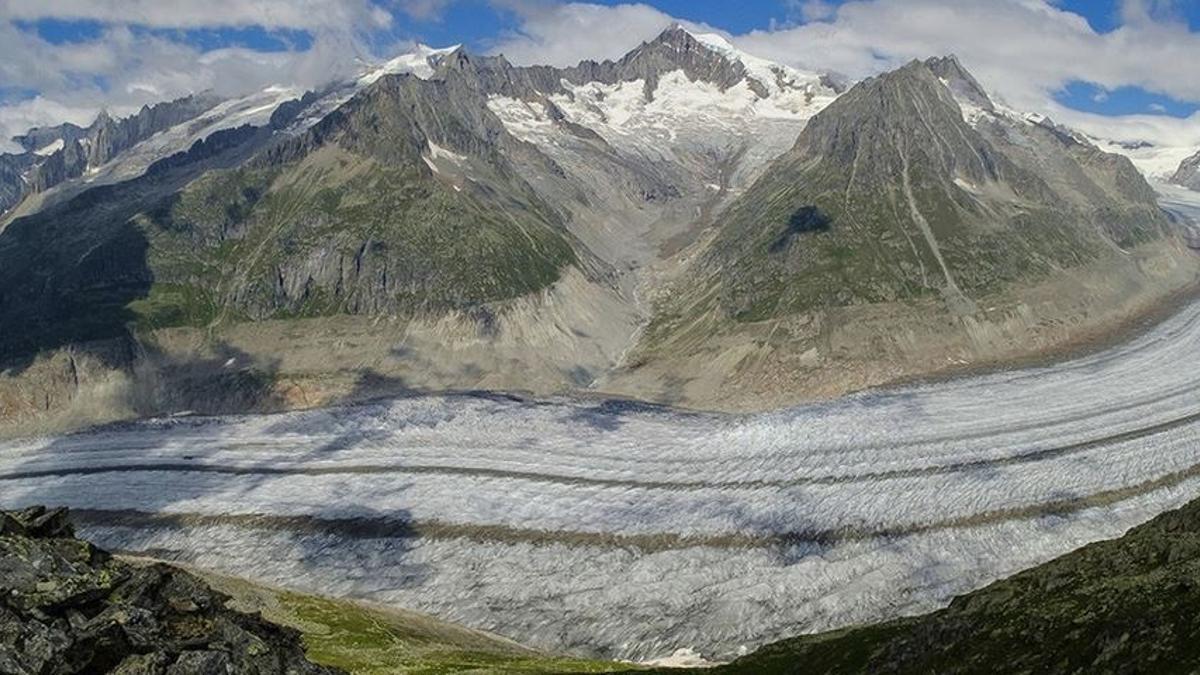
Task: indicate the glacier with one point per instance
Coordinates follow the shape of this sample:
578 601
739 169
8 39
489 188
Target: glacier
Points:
618 529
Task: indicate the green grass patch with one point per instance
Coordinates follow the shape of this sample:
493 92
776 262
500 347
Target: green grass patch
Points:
169 305
368 642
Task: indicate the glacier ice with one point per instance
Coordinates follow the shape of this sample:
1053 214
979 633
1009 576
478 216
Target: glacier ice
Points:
631 531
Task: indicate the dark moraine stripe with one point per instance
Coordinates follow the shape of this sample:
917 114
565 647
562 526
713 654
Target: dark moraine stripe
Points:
389 528
479 472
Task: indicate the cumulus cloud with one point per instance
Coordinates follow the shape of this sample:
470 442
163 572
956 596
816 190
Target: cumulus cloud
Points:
1023 50
422 9
808 11
299 14
563 34
123 68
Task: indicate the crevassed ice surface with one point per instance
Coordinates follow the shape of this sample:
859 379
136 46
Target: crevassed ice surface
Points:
683 115
631 531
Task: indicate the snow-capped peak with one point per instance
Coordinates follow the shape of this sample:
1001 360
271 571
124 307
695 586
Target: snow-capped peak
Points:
420 62
773 76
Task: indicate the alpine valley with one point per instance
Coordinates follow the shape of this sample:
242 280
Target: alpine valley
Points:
687 358
689 225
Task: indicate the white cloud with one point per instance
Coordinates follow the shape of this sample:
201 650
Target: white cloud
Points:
812 10
564 34
123 69
298 14
1149 11
1023 50
422 9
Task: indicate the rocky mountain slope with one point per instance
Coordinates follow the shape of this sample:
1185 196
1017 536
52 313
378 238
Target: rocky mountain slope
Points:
53 155
1124 605
452 221
1188 174
68 607
910 202
377 208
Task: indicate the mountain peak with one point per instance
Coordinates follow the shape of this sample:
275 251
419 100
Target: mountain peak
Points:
915 103
714 58
962 84
420 61
677 37
1188 174
673 32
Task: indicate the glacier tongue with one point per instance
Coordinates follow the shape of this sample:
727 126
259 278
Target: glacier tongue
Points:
631 531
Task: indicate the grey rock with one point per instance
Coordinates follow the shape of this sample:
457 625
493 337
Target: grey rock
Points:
67 607
83 148
1188 174
892 192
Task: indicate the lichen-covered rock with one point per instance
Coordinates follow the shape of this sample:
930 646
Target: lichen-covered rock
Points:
69 607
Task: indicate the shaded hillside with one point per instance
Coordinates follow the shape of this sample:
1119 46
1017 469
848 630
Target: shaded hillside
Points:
402 200
688 224
1126 605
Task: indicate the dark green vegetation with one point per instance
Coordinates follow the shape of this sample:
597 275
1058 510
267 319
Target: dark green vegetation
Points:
1121 606
67 607
890 195
402 201
369 641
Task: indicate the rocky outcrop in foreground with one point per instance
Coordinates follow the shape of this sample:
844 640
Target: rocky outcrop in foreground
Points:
68 607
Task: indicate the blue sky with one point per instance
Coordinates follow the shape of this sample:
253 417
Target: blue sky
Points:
1127 60
478 23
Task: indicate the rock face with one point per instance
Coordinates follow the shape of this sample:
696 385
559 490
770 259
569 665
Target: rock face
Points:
1120 606
68 607
407 198
913 224
12 178
892 193
692 188
77 149
1188 174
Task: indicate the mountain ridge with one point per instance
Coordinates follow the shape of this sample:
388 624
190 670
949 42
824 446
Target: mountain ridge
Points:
634 218
68 151
1188 174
